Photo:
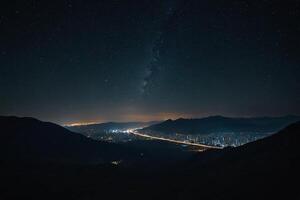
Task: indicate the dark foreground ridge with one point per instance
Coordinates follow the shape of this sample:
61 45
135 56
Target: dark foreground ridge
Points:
263 169
30 140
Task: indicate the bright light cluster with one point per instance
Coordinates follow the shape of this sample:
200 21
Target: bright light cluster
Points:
122 130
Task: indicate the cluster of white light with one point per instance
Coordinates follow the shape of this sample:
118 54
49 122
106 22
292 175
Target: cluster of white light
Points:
116 162
122 130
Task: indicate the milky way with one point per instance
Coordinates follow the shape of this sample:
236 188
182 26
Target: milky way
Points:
153 67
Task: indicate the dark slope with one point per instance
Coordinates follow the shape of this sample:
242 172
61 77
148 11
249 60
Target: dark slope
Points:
222 124
264 169
267 168
28 139
285 142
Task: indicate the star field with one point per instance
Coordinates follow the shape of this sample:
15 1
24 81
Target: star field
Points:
70 61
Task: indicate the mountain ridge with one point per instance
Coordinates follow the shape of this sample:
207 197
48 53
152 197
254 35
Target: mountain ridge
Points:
211 124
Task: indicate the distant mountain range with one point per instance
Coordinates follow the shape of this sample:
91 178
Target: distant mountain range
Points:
93 129
222 124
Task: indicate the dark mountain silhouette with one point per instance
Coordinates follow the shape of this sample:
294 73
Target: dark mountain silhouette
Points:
222 124
28 139
264 169
281 146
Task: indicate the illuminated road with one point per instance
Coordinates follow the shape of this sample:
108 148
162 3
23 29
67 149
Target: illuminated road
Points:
134 132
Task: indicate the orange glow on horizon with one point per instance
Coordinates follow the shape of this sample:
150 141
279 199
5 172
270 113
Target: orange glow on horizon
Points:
81 123
135 118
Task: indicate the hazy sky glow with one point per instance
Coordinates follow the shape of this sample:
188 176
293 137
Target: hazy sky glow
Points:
103 60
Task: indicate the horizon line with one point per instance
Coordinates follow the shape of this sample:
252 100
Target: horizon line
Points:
173 119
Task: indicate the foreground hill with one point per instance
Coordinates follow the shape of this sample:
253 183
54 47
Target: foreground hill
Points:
28 139
264 169
222 124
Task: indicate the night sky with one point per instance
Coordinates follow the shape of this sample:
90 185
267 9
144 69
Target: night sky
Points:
116 60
